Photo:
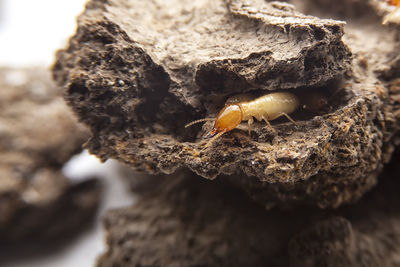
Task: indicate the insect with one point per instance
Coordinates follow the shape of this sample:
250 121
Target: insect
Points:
392 15
242 107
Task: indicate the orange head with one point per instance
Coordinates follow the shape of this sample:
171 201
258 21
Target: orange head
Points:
228 118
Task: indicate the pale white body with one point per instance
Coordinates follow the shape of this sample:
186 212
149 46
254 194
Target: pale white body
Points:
267 107
270 106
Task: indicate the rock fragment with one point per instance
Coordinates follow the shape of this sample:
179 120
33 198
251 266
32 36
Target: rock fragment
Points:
188 221
366 234
38 134
136 72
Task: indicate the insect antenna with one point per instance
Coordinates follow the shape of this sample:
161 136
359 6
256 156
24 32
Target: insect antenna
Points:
197 121
211 141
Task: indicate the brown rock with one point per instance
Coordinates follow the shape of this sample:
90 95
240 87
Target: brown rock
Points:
367 234
136 72
187 221
38 134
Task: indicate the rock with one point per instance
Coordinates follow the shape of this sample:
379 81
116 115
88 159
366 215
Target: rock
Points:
136 72
38 134
185 220
367 234
188 221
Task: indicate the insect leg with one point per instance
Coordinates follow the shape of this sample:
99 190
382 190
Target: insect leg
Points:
389 17
250 122
269 124
287 116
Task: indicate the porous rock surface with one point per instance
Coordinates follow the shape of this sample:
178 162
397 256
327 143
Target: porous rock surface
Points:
184 220
137 71
38 134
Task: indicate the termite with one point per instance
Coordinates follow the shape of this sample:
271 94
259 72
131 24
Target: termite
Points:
392 15
241 108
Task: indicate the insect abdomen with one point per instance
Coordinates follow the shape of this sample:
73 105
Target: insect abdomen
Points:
270 106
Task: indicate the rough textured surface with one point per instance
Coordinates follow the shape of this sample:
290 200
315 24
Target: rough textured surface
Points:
38 134
136 72
366 234
184 220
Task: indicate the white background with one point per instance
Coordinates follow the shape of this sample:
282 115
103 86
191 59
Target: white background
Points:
30 32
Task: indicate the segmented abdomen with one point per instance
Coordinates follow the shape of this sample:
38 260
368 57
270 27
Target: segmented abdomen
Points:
270 106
